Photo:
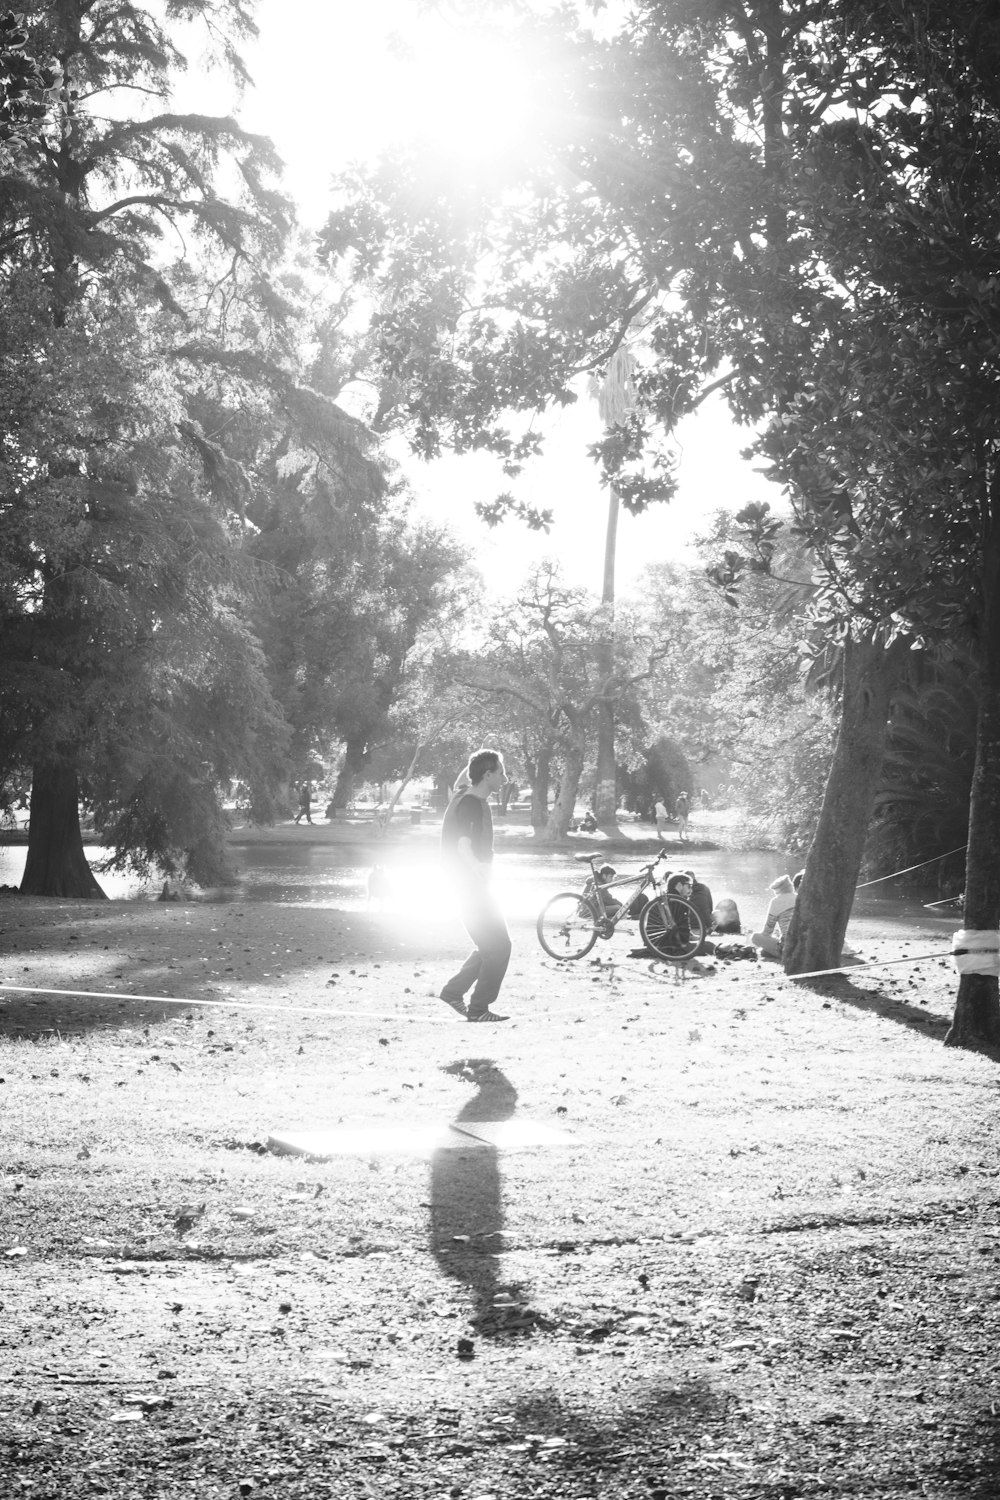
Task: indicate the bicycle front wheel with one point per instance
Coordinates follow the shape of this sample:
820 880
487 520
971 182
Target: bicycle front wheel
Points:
567 926
671 928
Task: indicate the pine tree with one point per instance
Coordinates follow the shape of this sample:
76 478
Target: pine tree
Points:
120 574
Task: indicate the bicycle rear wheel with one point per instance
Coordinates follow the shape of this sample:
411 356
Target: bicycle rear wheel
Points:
567 926
671 928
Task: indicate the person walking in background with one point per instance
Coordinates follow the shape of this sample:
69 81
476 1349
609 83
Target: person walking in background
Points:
305 802
467 850
682 809
660 814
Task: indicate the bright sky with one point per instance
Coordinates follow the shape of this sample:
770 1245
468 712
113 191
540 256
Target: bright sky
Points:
336 81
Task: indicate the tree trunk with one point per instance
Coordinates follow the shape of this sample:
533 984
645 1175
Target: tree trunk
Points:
432 732
539 778
819 922
606 790
562 809
56 864
976 1022
386 818
355 756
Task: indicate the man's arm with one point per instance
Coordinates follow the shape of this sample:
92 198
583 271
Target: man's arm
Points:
467 856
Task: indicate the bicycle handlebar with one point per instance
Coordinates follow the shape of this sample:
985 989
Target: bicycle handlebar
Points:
592 859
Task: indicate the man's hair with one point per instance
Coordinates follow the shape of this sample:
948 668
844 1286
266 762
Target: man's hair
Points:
481 764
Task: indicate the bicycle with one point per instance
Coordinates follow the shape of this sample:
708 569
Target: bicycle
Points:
570 923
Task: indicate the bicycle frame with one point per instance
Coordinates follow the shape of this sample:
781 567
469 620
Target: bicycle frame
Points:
570 922
645 880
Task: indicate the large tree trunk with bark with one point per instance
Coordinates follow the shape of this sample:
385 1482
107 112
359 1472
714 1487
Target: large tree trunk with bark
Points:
562 809
976 1022
56 864
606 789
355 759
819 922
540 776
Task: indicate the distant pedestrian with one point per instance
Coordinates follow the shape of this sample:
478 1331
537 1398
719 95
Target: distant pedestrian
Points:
467 849
661 816
682 809
305 803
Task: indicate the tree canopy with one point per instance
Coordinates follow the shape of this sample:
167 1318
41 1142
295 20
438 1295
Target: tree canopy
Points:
793 203
171 463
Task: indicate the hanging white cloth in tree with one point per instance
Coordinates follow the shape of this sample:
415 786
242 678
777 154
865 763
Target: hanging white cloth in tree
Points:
616 393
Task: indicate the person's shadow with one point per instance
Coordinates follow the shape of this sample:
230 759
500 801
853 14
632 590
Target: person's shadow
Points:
466 1201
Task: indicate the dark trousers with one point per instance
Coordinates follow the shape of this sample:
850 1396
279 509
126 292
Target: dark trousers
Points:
486 965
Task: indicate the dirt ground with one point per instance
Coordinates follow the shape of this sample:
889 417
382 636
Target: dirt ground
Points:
745 1245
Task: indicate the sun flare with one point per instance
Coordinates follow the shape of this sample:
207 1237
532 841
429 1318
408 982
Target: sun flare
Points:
466 95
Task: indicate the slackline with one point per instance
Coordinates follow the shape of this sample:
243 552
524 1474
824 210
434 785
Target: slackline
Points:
657 967
298 1010
667 965
909 869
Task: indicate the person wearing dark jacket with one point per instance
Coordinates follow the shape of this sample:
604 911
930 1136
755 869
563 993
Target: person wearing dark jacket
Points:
467 850
701 899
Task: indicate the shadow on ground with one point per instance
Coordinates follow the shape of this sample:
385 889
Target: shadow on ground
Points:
466 1204
877 1002
634 1451
102 965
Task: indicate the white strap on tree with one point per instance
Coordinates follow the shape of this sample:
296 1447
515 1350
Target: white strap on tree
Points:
976 952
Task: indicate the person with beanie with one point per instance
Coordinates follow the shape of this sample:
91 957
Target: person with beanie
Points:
777 917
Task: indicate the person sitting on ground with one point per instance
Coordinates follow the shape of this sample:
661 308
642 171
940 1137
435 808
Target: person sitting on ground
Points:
701 899
779 915
677 890
676 895
726 918
605 873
